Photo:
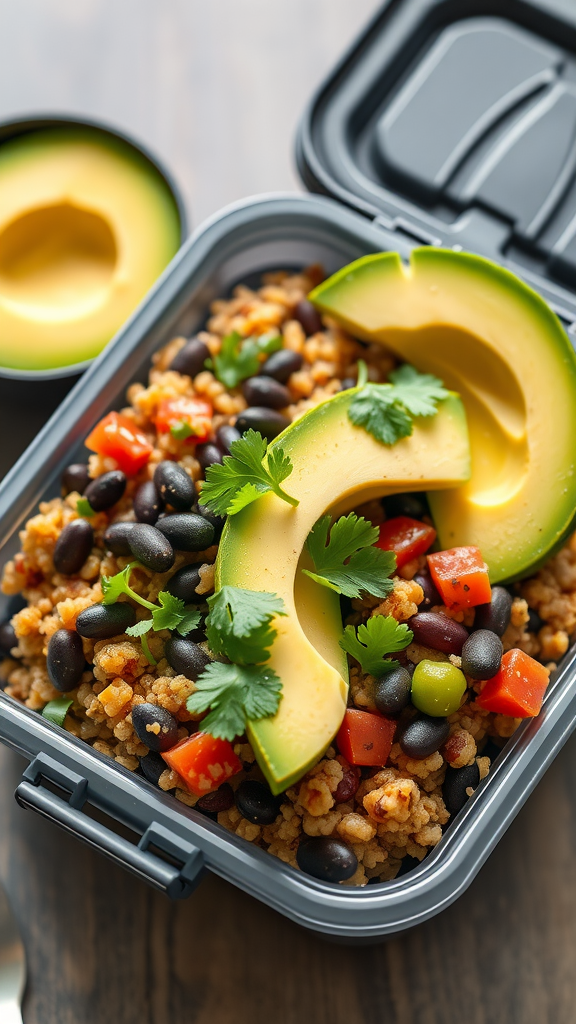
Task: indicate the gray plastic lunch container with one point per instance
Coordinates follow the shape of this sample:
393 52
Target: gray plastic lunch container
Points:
120 813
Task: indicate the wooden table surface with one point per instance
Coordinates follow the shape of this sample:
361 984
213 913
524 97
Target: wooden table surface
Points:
216 87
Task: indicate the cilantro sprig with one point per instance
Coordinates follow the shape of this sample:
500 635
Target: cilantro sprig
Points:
235 693
243 477
239 359
387 411
379 636
238 627
56 710
170 613
345 559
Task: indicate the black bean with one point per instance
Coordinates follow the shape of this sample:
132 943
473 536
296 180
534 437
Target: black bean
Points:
496 614
73 547
482 654
413 505
155 727
348 785
268 422
256 803
65 660
75 478
431 596
8 638
191 357
281 364
175 486
535 623
308 316
431 629
101 621
187 531
456 782
392 692
216 521
347 383
265 391
153 767
147 503
221 799
184 582
423 735
329 859
185 657
151 547
106 490
225 436
208 454
117 538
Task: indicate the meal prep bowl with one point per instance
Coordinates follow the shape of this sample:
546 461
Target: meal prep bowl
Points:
13 129
404 193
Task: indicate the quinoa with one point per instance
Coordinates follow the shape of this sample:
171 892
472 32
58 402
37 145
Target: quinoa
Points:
398 810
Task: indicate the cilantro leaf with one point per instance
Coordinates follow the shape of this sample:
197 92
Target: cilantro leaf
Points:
189 621
252 649
84 508
226 489
140 628
417 392
374 409
387 410
279 467
239 357
239 624
238 612
170 613
235 694
245 496
380 635
114 586
56 710
347 562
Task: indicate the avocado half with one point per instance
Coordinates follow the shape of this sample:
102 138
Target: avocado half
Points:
494 340
87 224
335 466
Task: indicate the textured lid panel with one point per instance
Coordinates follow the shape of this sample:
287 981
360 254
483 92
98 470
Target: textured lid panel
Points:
447 115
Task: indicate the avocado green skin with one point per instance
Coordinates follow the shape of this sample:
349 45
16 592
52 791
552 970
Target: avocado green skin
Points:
552 506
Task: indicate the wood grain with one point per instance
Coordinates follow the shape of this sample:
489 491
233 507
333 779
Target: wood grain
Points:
217 88
103 947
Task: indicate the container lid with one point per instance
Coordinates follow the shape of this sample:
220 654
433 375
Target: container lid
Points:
454 123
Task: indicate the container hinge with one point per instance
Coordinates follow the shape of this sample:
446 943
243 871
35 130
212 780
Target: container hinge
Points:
408 230
159 857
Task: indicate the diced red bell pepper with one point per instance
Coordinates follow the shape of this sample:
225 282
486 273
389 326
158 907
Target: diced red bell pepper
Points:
203 762
460 576
191 412
518 687
364 738
119 438
406 537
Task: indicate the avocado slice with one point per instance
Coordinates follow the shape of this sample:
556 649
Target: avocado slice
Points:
86 226
494 340
335 466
